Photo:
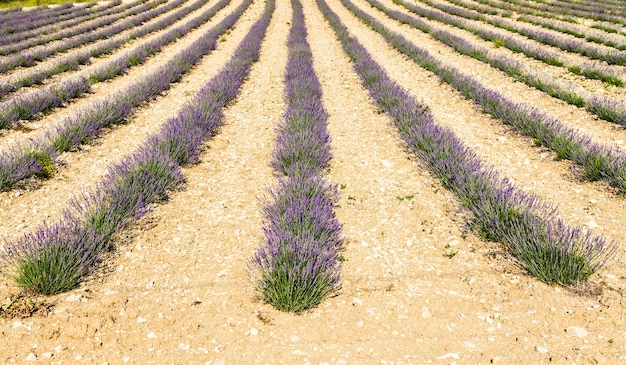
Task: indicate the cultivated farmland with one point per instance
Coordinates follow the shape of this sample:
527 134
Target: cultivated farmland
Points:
313 181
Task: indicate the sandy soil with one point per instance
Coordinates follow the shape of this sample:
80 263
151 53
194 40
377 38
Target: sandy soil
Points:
417 288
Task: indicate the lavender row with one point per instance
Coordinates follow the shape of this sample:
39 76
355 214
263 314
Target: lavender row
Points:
598 162
297 265
604 107
605 39
16 10
29 105
110 8
607 29
56 258
36 38
27 160
547 247
30 57
586 69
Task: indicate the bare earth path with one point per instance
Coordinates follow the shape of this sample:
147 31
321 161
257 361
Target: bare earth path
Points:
417 289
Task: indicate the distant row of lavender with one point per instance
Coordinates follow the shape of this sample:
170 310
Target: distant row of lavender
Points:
36 157
587 69
590 36
18 24
556 13
591 6
588 11
32 40
56 258
297 265
29 105
18 12
548 248
141 13
604 107
111 7
598 162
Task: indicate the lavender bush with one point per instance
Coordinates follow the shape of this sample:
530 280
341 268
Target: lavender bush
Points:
298 264
548 248
56 258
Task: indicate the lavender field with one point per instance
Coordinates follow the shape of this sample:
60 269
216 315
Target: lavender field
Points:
313 181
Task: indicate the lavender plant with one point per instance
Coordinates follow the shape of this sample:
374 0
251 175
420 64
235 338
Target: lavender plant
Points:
548 248
298 264
57 258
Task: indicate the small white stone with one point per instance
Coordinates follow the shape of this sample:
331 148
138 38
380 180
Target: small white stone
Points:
47 355
357 301
469 345
294 338
17 324
140 319
386 163
253 331
73 298
592 224
426 314
541 349
109 292
450 355
360 324
151 335
578 332
31 357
